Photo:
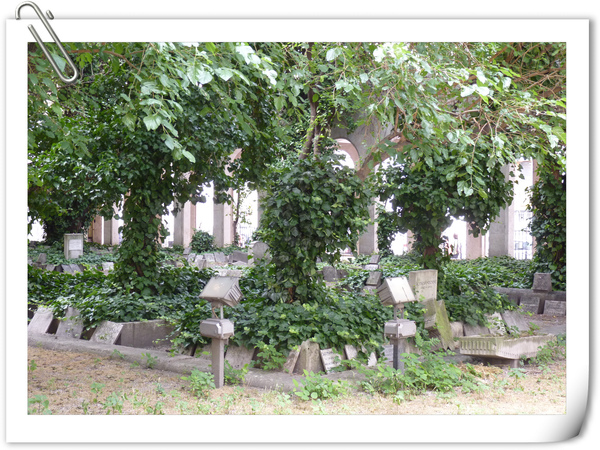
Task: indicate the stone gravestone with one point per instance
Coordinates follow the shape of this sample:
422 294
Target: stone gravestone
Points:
259 250
388 355
371 267
66 268
309 358
374 279
239 256
515 319
542 282
496 326
107 333
374 259
187 251
73 245
41 321
191 257
475 330
107 267
424 285
291 361
72 324
220 257
238 356
330 273
531 303
555 308
330 359
41 259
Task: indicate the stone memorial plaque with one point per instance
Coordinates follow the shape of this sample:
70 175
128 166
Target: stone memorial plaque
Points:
76 244
239 256
208 257
41 321
531 303
555 308
515 319
424 284
107 333
220 257
330 359
238 356
71 326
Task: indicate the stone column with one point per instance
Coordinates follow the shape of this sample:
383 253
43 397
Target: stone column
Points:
367 244
474 247
222 224
182 234
502 233
111 232
97 233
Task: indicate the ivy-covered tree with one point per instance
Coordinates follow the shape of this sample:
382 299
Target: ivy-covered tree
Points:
163 120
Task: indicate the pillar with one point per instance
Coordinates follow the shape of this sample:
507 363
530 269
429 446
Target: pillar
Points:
182 234
475 246
97 233
367 243
222 224
502 233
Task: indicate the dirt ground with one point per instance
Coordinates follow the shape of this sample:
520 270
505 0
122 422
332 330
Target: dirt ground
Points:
83 383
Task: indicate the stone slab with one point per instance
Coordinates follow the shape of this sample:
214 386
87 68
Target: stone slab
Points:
496 324
209 257
292 359
41 321
330 359
107 333
423 284
187 251
374 279
330 273
239 256
374 259
371 267
555 308
42 258
66 268
150 333
542 282
475 330
458 329
239 356
516 319
71 326
351 351
309 359
220 257
258 251
531 303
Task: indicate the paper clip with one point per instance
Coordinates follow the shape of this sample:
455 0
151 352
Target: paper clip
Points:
56 41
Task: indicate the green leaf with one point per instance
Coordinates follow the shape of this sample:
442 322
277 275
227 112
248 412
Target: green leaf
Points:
152 121
333 53
189 156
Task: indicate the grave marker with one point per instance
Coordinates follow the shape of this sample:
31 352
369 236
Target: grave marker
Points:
41 321
330 359
374 279
531 303
542 282
291 361
238 356
515 319
72 324
475 330
555 308
107 333
73 245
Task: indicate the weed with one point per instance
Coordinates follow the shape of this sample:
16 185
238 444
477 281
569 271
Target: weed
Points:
150 360
235 376
284 401
42 403
113 403
200 382
270 358
32 366
517 375
315 387
157 409
159 389
97 389
117 354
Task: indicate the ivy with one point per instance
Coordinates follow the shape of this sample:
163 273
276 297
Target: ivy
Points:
314 208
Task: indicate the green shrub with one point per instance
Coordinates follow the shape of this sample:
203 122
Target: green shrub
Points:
202 242
200 383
